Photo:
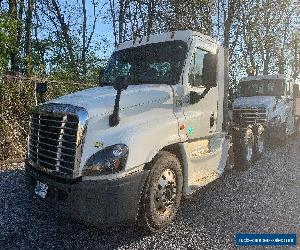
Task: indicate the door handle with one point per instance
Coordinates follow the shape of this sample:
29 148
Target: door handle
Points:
212 120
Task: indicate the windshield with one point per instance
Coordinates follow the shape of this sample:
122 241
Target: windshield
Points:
272 87
159 63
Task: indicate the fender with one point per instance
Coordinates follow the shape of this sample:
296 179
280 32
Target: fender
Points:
145 132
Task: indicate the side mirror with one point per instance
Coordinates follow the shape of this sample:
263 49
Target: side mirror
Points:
192 79
209 70
41 88
295 90
194 97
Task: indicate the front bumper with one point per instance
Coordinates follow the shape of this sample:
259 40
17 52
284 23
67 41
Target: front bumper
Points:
96 202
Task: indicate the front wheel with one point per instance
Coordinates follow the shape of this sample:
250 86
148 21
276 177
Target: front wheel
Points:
243 145
260 142
162 193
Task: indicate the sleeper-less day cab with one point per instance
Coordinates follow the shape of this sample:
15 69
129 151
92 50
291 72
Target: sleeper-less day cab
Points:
128 150
268 102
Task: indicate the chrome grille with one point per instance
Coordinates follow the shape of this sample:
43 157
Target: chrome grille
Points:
53 142
249 116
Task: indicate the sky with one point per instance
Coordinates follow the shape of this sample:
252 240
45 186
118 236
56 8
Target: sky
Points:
103 29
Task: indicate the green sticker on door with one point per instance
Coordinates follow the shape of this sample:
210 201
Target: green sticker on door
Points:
178 103
190 130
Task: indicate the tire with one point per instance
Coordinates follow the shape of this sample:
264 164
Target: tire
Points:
243 146
162 193
283 135
259 142
230 160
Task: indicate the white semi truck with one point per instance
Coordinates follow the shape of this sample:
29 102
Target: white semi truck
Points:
154 131
267 102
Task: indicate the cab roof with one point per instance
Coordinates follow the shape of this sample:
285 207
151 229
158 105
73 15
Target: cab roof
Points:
263 77
182 35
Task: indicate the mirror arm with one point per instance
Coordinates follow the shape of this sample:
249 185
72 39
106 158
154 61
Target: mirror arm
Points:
204 93
195 97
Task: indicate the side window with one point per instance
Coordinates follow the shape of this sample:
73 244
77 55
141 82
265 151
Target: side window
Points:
120 69
196 68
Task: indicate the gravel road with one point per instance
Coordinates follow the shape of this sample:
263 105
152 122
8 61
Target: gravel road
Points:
265 199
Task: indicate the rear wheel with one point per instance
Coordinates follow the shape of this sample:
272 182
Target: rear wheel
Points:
284 134
243 144
162 193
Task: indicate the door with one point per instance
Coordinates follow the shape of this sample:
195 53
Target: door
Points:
207 146
201 116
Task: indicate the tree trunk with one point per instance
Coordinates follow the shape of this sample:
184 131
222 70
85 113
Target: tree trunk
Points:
83 53
14 53
65 31
151 8
296 57
28 38
113 16
266 66
281 62
121 21
228 22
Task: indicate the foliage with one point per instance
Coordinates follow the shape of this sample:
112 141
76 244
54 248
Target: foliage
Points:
17 99
8 27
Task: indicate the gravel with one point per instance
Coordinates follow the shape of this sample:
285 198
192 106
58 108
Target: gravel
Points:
264 199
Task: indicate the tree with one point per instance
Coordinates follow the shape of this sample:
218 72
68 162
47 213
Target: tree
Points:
295 59
8 29
15 11
28 37
134 19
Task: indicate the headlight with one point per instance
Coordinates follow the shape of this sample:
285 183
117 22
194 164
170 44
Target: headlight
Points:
109 160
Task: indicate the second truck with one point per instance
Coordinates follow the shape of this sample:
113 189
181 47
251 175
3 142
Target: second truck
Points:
266 104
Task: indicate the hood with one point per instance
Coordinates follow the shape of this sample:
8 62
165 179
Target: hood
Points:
100 101
255 102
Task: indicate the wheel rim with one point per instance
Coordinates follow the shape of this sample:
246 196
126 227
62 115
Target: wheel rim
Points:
249 152
166 191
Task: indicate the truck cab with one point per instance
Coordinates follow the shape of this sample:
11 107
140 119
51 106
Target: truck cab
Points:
152 132
266 101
